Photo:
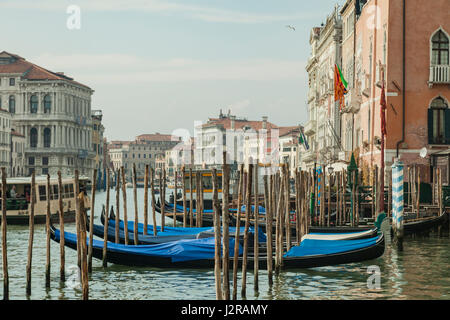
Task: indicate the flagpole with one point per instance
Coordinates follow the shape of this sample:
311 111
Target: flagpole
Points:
383 132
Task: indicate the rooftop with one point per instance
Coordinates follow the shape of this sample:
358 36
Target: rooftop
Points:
156 137
14 64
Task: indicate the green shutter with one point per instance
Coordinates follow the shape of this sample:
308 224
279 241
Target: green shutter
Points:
447 125
430 126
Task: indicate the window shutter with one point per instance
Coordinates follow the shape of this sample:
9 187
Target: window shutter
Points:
447 125
430 126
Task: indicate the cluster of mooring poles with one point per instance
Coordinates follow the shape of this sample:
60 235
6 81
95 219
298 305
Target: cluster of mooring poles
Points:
292 201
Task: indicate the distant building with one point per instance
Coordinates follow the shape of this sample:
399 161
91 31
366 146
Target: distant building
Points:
180 155
160 164
140 152
245 141
116 152
290 147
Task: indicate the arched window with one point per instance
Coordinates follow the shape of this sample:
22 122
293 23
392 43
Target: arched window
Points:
33 138
12 104
47 103
439 122
33 104
440 49
47 137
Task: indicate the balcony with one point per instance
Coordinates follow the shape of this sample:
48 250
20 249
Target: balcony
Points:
308 156
439 74
310 127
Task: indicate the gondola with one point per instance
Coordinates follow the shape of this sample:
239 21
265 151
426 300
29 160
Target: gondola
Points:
199 253
207 216
423 224
169 234
351 234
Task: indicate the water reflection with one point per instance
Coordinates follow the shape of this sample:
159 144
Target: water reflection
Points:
419 272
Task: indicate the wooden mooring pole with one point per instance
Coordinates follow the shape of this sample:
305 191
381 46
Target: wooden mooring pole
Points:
145 231
105 230
117 213
247 226
175 199
77 217
238 225
136 214
183 174
152 185
217 235
91 220
82 239
31 234
256 233
125 213
62 272
287 217
191 199
47 231
268 199
226 228
4 239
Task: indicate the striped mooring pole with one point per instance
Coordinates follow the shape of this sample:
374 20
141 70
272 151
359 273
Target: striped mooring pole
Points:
319 180
397 202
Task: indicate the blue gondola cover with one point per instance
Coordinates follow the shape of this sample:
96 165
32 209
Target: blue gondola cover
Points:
310 247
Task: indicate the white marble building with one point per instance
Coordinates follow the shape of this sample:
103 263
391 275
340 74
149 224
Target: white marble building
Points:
53 112
323 126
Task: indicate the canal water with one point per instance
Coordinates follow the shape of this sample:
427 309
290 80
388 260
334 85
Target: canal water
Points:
419 272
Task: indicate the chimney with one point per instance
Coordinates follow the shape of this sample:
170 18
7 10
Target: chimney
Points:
264 124
232 118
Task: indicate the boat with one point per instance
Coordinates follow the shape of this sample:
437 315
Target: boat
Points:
207 216
365 234
415 226
18 208
205 231
169 233
199 253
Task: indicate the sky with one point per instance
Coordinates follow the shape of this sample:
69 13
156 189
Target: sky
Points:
161 65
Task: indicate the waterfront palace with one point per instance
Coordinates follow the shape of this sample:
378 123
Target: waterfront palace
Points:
53 112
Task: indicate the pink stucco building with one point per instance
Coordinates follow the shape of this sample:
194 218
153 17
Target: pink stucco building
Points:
406 42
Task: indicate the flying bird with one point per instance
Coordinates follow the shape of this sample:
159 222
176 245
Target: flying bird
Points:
290 27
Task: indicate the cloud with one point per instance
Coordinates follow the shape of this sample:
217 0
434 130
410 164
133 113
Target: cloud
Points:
111 69
204 13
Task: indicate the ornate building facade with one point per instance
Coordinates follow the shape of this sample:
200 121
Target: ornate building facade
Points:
53 112
323 126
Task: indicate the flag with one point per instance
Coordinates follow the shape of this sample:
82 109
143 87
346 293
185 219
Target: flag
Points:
340 86
302 139
382 111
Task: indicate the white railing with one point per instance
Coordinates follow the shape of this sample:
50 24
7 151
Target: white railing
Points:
440 74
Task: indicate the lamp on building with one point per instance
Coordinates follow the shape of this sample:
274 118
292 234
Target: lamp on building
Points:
330 170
